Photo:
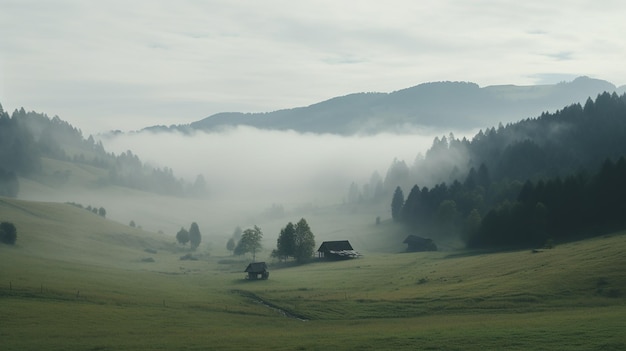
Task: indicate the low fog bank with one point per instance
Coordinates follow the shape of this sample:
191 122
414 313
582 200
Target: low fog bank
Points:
272 167
258 177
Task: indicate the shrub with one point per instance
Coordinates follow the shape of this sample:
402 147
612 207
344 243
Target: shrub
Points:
8 233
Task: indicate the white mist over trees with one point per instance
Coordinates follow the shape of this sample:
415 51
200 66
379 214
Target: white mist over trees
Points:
274 167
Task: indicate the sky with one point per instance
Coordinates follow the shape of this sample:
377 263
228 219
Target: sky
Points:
106 65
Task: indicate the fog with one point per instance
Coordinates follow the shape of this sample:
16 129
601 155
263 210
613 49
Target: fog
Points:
266 167
263 177
254 177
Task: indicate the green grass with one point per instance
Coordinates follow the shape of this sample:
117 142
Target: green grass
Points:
75 281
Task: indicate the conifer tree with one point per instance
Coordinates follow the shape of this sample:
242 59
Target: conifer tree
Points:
194 236
396 204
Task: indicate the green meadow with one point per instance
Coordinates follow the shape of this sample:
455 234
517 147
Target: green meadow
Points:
77 281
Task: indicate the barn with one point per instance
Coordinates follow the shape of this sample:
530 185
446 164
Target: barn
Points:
416 243
337 250
257 270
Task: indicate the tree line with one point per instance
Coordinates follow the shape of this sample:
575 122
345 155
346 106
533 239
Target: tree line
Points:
100 211
553 144
26 137
528 182
558 209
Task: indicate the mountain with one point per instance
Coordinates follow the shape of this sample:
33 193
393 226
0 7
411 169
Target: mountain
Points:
448 105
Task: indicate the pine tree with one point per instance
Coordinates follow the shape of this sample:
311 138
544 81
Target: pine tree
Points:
285 244
396 204
194 236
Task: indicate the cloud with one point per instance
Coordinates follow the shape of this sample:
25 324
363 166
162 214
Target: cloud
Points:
157 62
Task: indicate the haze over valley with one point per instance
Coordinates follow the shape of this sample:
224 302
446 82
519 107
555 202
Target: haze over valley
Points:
306 175
240 175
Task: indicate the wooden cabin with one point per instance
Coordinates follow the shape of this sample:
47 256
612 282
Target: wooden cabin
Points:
337 250
257 270
416 244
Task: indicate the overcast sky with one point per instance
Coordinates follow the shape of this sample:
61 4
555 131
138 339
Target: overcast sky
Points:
105 65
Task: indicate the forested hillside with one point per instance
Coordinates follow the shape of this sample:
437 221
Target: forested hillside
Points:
555 177
28 137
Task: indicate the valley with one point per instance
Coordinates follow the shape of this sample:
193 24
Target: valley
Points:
77 281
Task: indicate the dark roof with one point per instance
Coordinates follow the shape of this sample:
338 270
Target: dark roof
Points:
341 245
256 267
416 240
416 243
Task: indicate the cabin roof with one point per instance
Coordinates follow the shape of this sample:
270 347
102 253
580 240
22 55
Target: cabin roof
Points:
256 267
340 245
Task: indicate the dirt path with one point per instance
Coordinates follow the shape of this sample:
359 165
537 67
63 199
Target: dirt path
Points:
252 296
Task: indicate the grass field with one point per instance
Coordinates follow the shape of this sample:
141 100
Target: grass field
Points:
76 281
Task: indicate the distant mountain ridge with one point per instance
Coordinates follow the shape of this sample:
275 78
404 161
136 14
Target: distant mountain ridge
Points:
448 105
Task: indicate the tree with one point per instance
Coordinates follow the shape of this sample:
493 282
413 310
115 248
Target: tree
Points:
182 236
8 233
304 241
199 187
396 204
194 236
447 212
286 242
472 224
411 211
231 244
250 242
102 212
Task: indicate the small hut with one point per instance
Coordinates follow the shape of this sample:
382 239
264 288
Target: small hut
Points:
257 270
416 243
340 249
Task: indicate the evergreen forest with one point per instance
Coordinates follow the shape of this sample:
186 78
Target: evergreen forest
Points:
557 177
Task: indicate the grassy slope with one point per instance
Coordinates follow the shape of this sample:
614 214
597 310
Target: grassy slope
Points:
76 281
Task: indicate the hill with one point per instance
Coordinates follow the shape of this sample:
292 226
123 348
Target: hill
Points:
554 177
63 232
29 140
77 277
440 105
